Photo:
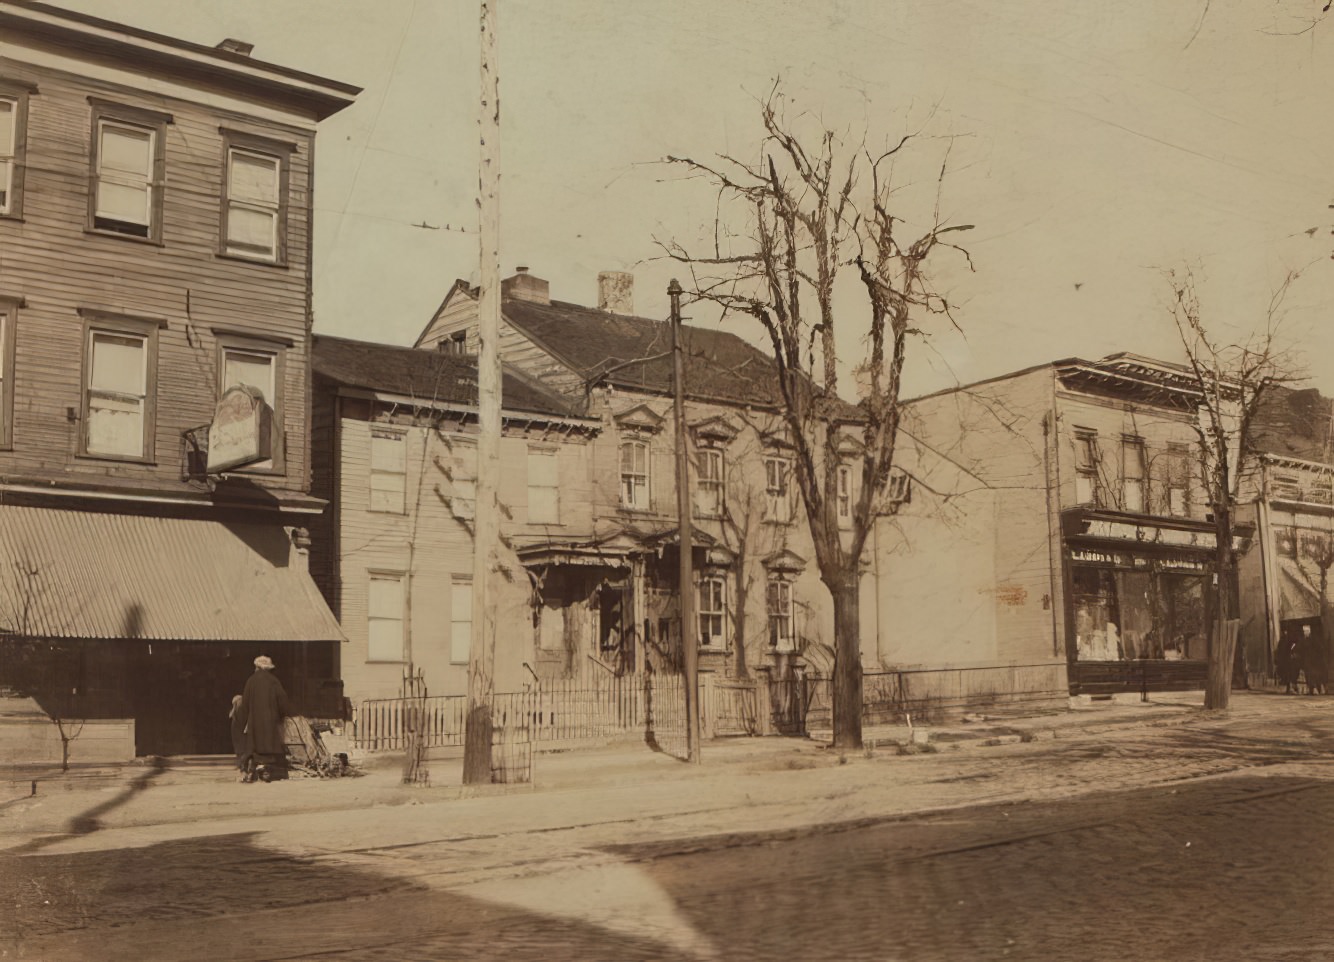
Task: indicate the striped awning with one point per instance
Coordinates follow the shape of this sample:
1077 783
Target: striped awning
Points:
85 574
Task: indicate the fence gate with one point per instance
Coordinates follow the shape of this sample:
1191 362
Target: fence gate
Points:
787 705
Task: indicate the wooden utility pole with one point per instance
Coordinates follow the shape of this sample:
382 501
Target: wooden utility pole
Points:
689 643
486 521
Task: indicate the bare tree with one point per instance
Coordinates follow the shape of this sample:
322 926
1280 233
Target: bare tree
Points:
815 209
1232 379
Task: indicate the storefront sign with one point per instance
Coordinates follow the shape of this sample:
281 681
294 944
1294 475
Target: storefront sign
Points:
1125 531
1137 562
241 431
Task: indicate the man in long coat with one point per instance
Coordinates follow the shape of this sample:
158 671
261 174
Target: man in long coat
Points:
263 707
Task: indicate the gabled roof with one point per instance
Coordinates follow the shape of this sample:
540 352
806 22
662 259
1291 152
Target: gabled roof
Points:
430 376
635 352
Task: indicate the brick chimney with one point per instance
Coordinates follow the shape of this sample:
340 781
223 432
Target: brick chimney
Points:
616 292
236 46
525 287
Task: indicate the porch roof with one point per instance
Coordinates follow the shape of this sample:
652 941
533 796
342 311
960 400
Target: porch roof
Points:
90 574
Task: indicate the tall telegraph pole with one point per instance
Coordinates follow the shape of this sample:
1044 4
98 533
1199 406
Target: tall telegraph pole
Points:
689 641
486 523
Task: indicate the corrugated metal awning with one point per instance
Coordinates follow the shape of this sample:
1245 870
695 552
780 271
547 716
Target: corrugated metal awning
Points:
83 574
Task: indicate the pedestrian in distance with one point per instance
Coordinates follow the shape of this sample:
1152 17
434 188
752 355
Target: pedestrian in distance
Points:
264 705
1287 664
240 737
1311 649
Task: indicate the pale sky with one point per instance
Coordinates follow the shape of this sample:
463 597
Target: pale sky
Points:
1093 144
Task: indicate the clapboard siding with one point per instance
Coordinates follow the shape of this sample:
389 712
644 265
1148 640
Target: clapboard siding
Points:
51 261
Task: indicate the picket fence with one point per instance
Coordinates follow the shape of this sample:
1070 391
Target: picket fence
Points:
573 710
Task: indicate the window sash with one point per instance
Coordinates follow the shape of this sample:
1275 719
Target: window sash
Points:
388 474
254 203
460 622
9 135
776 474
463 480
385 616
246 366
711 598
124 185
634 474
116 393
778 605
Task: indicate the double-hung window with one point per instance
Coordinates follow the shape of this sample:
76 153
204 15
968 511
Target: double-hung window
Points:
777 485
125 196
8 323
1178 479
13 137
119 386
388 472
254 202
385 615
460 620
709 496
543 487
778 602
843 479
1086 468
1132 474
463 477
256 363
712 600
635 474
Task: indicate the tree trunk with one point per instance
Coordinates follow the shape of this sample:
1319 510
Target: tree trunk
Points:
1218 685
847 664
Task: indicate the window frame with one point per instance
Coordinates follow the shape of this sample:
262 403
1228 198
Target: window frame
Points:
119 325
718 615
843 495
17 92
9 314
460 506
399 437
1178 478
711 491
646 485
456 583
256 345
238 141
392 576
1086 473
784 612
1133 452
107 112
776 494
554 456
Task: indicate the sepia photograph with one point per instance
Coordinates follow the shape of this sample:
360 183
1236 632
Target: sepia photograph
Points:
643 481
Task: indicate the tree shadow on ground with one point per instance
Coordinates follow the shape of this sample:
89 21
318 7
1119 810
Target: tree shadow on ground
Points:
1194 871
226 897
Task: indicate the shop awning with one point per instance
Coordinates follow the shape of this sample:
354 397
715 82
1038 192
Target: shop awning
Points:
83 574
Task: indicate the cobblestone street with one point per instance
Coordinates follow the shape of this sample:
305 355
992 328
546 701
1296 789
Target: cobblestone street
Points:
1187 836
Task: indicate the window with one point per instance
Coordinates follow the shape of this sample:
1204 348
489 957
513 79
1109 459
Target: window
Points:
254 202
1178 479
634 475
13 139
388 472
543 487
8 317
456 343
898 487
709 497
777 472
463 478
1132 474
125 196
384 618
120 363
1086 468
259 365
712 605
778 597
460 621
844 496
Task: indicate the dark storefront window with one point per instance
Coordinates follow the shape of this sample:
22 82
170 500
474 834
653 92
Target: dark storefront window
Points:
1134 614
